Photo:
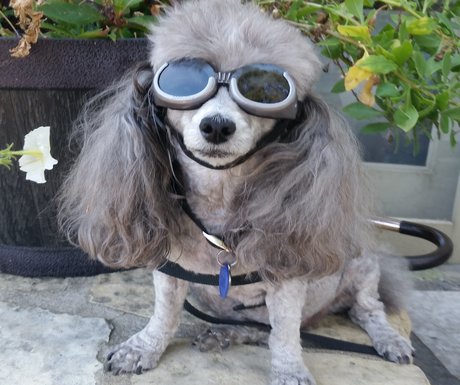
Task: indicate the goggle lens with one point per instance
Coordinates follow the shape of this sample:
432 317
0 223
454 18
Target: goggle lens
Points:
185 78
259 89
263 86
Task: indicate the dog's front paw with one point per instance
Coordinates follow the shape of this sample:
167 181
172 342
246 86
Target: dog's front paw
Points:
128 358
395 348
301 377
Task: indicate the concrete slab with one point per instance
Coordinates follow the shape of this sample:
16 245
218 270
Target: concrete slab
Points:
40 347
435 316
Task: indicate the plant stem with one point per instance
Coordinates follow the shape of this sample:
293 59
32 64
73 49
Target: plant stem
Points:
9 23
332 11
399 4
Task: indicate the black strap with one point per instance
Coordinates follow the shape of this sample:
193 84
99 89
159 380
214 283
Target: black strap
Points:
281 128
309 339
177 271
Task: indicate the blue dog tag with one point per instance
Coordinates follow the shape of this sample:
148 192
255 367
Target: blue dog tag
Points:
225 280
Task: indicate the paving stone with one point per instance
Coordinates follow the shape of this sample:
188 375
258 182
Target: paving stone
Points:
132 292
435 316
40 347
251 365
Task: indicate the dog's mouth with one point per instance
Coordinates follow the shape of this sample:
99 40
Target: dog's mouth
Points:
213 157
214 153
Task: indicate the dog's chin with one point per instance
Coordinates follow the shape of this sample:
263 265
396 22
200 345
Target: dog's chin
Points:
215 156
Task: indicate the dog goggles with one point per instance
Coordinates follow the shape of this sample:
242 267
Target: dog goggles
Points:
260 89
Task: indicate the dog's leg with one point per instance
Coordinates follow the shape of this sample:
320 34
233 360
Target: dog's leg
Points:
285 303
368 312
143 350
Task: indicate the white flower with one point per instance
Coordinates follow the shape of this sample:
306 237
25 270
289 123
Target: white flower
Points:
36 155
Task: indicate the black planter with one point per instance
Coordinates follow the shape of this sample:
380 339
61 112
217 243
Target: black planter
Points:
48 88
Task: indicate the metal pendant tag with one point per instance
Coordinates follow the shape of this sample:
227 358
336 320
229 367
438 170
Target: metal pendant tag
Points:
225 280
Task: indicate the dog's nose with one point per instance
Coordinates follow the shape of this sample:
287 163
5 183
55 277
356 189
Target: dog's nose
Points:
217 129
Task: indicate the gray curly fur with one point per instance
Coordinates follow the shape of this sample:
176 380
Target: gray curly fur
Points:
120 158
320 202
296 211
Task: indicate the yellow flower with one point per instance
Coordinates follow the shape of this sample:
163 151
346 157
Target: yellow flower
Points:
36 157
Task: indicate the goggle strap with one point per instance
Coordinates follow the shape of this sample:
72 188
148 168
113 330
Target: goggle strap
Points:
281 129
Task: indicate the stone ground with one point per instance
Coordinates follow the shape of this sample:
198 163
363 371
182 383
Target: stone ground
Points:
57 331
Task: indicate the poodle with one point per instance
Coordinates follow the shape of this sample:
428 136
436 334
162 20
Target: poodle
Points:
219 140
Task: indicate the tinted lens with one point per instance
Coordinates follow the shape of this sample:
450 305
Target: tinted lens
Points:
263 84
185 77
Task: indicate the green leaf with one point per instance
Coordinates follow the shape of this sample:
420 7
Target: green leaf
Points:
374 128
406 117
304 11
356 31
446 22
360 111
70 13
402 52
338 87
423 26
429 43
420 63
125 5
385 37
386 90
453 140
432 66
52 30
292 13
332 48
442 100
144 21
112 36
453 113
444 123
378 64
446 65
355 7
455 63
402 33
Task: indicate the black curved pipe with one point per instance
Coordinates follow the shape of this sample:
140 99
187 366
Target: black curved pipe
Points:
72 262
441 240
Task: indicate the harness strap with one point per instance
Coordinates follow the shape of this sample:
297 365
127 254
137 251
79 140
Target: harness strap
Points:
308 339
177 271
281 129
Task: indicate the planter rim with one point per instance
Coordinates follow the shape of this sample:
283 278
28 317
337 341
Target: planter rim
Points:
48 262
69 63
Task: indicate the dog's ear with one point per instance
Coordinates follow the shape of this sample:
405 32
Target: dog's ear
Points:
116 202
306 205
